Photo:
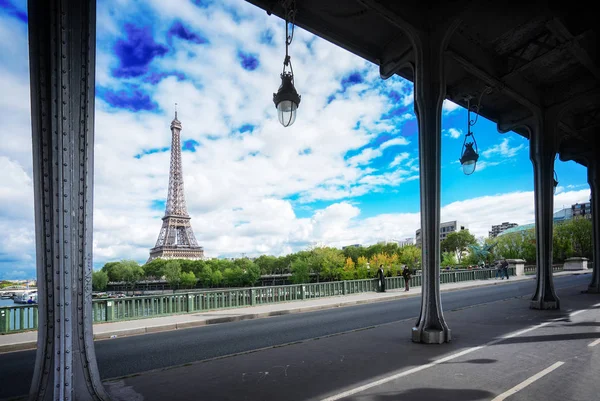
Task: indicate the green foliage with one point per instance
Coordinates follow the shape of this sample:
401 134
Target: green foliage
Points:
411 256
172 272
128 271
573 238
154 268
448 259
99 280
300 271
458 242
268 264
217 278
188 279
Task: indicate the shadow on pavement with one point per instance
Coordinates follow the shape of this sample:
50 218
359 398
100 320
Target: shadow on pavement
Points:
555 337
478 361
429 394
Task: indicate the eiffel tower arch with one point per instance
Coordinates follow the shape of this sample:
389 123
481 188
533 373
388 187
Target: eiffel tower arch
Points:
176 239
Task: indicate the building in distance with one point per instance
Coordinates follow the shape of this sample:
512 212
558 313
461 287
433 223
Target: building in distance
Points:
446 228
497 229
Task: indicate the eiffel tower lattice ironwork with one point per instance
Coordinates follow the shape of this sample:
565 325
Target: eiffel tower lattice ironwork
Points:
176 239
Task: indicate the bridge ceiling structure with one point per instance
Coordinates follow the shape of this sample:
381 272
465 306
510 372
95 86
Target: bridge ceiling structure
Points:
536 57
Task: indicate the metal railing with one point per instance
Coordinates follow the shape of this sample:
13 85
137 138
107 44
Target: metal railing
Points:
532 268
24 317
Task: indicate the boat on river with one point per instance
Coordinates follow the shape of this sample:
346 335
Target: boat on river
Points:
26 297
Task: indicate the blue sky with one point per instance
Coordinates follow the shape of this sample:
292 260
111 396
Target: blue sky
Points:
346 172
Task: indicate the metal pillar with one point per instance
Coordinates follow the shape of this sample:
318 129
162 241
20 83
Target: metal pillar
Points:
542 153
62 64
594 181
430 91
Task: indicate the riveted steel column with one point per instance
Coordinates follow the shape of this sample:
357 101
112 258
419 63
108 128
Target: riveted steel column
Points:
594 181
430 91
542 145
62 63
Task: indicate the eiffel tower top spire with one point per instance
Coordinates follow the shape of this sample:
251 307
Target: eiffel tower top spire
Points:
176 199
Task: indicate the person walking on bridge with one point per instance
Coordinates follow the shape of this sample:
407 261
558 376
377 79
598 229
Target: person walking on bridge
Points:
407 274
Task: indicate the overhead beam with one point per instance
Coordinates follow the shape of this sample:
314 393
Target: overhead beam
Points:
574 101
494 82
564 36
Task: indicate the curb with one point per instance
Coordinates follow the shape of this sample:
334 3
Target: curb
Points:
28 345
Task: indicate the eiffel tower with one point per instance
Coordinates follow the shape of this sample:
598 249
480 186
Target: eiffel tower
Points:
176 239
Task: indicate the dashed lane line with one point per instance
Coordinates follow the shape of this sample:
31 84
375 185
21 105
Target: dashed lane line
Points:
527 382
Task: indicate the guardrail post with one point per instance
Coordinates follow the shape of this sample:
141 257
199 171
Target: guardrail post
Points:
190 303
4 320
344 288
35 317
302 291
252 297
110 311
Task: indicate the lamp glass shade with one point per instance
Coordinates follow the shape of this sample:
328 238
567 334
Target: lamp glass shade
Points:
469 159
286 100
469 167
286 111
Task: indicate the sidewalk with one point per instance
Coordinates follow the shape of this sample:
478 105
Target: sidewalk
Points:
28 340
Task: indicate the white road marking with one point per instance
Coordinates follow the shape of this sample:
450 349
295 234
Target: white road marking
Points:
445 359
593 344
399 375
527 382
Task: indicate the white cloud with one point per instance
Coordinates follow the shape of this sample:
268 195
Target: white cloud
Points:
503 149
448 106
454 133
364 157
393 142
399 158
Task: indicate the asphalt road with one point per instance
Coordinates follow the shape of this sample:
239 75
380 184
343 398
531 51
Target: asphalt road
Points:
129 355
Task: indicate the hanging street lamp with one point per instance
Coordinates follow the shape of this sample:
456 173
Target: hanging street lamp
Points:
469 154
287 98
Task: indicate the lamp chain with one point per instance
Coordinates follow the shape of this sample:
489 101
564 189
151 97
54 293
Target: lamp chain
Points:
289 7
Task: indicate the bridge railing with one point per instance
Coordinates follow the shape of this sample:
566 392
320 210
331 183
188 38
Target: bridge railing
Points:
24 317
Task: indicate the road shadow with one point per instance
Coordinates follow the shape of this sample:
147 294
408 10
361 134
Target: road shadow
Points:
553 337
476 361
428 394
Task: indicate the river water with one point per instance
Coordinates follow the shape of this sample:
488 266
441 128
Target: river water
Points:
7 302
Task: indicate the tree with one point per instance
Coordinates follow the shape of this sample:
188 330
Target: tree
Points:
216 278
113 271
99 280
154 268
132 272
172 273
458 243
411 256
206 276
448 259
248 270
354 252
300 271
188 279
267 264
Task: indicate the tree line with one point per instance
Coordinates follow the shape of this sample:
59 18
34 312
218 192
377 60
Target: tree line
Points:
316 264
459 249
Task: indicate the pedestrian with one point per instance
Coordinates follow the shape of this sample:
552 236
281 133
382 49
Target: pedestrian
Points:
406 273
381 278
504 268
498 269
